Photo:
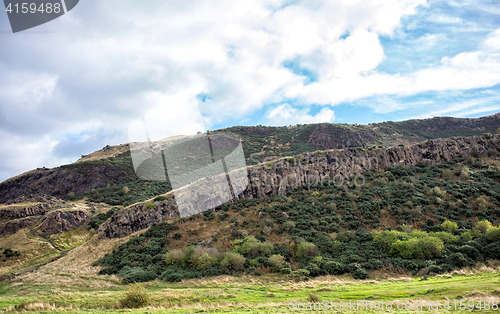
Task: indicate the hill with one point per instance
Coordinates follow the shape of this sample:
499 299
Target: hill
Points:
428 210
102 176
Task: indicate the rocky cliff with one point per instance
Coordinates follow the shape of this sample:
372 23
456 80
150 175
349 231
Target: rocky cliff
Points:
49 214
281 175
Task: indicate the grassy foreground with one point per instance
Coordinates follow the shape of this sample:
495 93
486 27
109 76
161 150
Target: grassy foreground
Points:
245 294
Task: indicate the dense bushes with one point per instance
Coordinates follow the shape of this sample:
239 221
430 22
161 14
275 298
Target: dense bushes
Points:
306 250
331 229
417 248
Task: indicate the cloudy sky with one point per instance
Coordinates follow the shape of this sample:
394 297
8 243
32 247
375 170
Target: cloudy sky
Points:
75 84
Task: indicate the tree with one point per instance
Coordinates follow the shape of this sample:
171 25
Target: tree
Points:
493 233
449 226
307 249
482 226
233 261
277 262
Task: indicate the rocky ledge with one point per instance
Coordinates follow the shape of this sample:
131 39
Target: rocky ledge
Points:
281 175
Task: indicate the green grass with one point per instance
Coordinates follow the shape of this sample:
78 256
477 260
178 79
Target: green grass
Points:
266 294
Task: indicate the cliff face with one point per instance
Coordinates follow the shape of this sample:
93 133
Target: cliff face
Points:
310 168
51 214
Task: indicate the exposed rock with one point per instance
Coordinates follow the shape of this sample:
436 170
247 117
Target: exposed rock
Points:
285 216
423 271
308 168
206 242
13 226
59 221
35 210
137 217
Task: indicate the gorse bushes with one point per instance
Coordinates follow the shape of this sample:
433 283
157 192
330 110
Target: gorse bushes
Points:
442 223
417 248
307 250
251 247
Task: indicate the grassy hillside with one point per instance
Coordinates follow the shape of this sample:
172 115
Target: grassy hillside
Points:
261 256
401 219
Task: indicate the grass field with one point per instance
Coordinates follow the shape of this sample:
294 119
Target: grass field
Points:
71 285
227 294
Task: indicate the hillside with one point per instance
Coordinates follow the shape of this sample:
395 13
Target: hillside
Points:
402 219
101 176
428 211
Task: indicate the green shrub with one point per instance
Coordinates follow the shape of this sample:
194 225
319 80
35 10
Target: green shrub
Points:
482 226
173 257
150 205
446 237
300 274
140 276
286 270
449 226
427 247
186 260
492 250
160 198
276 262
251 247
177 235
8 252
487 135
98 219
435 269
205 261
386 238
173 277
136 297
288 225
333 268
204 257
458 259
208 215
290 160
233 261
307 250
374 264
493 233
70 196
359 273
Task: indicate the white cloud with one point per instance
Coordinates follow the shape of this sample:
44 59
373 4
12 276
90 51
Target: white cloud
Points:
445 19
461 72
111 61
287 115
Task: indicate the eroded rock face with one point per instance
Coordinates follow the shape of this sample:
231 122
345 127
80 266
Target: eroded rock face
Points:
35 210
15 217
137 217
310 168
13 226
59 221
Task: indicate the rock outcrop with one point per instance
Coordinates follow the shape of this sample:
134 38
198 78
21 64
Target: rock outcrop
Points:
279 176
59 221
13 226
